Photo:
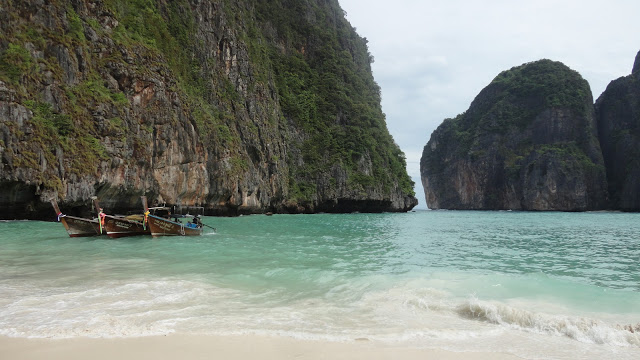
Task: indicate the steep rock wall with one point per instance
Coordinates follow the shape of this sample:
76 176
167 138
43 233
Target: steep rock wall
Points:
527 142
618 113
189 102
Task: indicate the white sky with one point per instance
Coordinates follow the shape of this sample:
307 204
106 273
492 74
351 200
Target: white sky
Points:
433 57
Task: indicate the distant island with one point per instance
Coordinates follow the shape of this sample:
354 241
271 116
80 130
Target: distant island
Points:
533 139
239 106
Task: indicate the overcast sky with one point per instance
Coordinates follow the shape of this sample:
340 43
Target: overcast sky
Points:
433 57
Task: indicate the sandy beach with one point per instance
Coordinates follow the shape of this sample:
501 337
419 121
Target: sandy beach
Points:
218 347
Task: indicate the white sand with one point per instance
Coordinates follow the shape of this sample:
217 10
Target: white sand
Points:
188 347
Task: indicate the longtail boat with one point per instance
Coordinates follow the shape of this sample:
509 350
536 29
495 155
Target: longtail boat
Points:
120 226
77 226
171 224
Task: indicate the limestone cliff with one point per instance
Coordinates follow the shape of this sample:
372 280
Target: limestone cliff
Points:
618 113
527 142
636 64
239 106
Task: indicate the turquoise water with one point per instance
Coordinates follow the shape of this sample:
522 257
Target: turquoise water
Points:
539 285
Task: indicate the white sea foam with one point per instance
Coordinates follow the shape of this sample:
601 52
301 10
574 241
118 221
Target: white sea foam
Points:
578 328
406 313
368 308
109 309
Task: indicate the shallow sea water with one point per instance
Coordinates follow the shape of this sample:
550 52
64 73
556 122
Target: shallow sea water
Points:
539 285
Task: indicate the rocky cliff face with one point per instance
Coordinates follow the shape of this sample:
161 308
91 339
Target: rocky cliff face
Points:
527 142
239 106
618 112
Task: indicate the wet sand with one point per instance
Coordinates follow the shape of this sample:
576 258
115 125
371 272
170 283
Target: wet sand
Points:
240 347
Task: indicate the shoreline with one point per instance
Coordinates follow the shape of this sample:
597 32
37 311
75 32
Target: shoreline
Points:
240 347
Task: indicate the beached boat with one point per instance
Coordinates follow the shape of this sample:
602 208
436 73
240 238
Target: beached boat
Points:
171 224
77 226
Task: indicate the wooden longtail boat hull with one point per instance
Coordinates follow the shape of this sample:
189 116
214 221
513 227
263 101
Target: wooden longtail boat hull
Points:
163 227
119 227
79 227
75 226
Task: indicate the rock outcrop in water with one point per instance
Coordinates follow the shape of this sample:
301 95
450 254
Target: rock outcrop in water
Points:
239 106
618 112
527 142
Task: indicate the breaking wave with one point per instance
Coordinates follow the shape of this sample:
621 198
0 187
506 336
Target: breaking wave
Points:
581 329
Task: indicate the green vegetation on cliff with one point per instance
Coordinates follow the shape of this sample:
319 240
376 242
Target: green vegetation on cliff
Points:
323 76
513 101
518 95
279 94
528 141
325 85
